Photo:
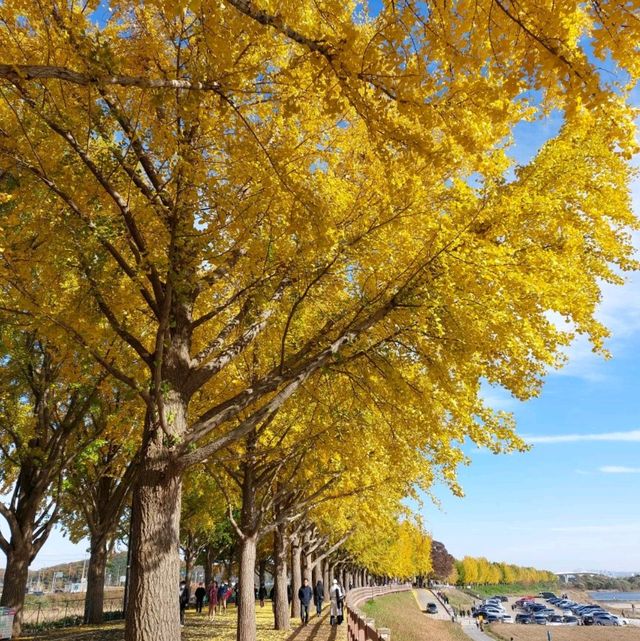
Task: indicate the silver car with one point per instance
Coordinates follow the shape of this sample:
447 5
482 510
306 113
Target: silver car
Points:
605 619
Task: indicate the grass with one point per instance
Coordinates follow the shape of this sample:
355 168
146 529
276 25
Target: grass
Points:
559 633
198 628
459 599
400 613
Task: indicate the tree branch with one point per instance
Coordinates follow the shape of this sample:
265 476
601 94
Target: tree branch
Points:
19 73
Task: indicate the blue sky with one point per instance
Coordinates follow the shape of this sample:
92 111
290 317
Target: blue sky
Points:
573 501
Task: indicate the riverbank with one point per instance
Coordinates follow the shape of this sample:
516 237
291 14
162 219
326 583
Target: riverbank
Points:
627 609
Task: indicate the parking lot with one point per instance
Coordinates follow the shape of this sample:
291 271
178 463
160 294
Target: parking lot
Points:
539 611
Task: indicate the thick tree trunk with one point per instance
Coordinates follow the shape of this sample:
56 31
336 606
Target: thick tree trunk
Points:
246 630
94 599
296 576
153 612
280 600
14 589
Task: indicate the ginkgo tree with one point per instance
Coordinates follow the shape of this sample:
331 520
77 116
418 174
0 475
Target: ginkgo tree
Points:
96 489
46 401
326 183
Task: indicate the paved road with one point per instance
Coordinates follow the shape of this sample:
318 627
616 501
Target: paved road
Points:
468 625
426 596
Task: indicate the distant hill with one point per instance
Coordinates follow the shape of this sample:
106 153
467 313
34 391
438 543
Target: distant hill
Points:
72 572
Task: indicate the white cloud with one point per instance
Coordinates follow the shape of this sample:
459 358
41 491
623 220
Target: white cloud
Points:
630 437
619 469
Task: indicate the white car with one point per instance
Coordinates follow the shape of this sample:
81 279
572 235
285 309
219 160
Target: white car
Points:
621 620
507 618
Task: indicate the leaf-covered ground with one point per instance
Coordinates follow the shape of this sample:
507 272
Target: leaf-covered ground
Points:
200 628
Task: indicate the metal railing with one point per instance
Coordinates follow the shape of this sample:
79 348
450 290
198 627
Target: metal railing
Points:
62 614
361 627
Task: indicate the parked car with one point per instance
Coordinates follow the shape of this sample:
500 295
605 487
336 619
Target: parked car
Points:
540 619
524 618
570 621
621 620
520 603
547 595
587 619
432 608
605 619
555 619
507 618
493 617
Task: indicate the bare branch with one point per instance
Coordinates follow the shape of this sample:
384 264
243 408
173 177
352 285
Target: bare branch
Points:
19 73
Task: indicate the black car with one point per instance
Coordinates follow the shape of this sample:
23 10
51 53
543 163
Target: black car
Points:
432 608
587 619
524 618
492 618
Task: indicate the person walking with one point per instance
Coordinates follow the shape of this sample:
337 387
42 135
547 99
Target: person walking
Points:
222 599
262 594
200 593
305 594
212 595
184 600
318 596
336 596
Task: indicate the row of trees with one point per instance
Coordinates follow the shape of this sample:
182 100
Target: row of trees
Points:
275 249
284 497
480 571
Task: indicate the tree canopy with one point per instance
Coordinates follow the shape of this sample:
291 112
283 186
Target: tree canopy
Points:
226 205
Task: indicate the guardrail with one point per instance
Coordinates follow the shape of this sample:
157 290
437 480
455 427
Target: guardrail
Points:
360 627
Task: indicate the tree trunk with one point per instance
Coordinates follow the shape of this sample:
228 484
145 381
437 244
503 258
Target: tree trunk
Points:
16 576
94 599
153 612
208 565
308 567
188 562
246 630
296 576
327 579
280 600
316 573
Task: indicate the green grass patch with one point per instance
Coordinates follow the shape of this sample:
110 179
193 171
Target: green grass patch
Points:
459 600
401 614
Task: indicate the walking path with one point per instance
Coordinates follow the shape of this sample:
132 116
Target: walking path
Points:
318 629
474 633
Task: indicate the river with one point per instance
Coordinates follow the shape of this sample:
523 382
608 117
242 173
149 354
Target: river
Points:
604 595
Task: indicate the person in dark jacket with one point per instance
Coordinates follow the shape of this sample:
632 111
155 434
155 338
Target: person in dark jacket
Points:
318 596
262 594
305 594
184 600
200 593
